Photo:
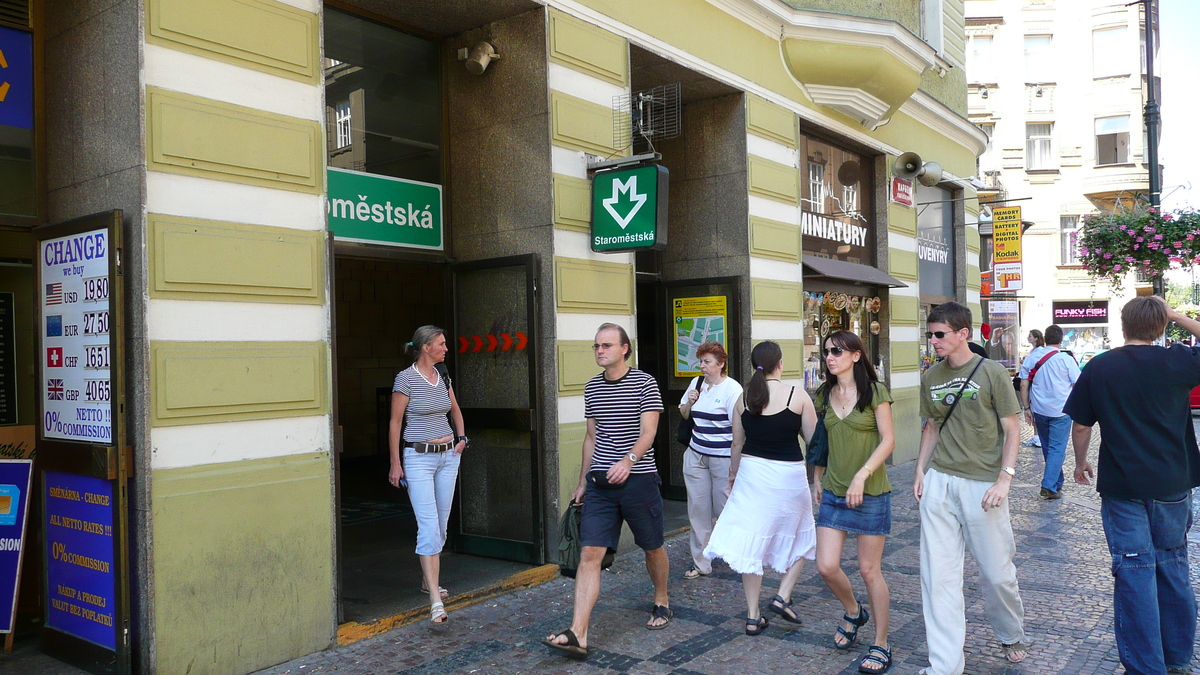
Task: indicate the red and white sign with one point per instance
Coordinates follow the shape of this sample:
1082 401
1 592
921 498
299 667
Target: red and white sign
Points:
1007 276
902 191
54 357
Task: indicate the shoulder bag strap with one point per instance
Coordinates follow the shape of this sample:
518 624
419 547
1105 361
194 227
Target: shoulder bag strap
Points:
1038 366
960 393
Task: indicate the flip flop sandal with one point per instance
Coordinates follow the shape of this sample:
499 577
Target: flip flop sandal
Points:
437 613
857 622
876 655
1010 649
693 574
756 626
441 591
784 609
570 648
660 612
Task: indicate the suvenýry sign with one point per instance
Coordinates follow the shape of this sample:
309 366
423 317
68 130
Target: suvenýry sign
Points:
629 209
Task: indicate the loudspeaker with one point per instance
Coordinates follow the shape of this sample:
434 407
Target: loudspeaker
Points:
907 166
931 174
478 57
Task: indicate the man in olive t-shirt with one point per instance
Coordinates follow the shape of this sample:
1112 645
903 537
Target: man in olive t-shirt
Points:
970 451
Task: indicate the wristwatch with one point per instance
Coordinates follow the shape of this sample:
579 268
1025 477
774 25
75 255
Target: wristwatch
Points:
464 439
1009 470
633 457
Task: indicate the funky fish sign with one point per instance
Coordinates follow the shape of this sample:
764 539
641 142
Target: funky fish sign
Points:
374 209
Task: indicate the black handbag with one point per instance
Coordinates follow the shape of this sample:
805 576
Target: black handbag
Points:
684 433
818 445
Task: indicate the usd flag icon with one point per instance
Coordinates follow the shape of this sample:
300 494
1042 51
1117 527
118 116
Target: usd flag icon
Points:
54 294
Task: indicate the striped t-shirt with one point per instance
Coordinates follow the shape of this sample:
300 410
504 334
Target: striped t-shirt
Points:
617 407
712 414
428 405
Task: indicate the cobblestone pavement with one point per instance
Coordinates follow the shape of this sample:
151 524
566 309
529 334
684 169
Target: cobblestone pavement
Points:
1062 564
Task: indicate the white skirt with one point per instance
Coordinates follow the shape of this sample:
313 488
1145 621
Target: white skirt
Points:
768 519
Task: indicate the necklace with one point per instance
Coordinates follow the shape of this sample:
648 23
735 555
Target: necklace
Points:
772 379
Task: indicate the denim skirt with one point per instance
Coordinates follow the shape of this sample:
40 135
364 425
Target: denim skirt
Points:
873 516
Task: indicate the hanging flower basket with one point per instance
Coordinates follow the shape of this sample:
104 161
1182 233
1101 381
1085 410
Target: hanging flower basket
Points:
1143 240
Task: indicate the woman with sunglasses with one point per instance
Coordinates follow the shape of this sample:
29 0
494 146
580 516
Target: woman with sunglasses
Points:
855 495
768 519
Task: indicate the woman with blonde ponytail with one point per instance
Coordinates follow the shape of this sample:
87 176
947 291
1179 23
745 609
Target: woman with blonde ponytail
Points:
768 519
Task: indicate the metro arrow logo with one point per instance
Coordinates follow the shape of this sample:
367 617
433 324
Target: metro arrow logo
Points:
629 188
3 85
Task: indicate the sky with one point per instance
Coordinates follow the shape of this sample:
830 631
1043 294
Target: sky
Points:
1179 63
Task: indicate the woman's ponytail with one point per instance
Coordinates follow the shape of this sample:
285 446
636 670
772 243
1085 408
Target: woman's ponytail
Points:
765 358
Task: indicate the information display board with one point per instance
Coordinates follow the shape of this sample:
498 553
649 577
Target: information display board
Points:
80 557
1007 268
15 477
76 376
697 320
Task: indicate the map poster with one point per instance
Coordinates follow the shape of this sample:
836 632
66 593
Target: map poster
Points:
697 320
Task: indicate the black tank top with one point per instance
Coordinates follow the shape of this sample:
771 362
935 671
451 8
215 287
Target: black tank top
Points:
773 436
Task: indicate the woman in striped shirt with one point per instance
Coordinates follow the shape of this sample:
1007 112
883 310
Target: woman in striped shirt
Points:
706 461
421 400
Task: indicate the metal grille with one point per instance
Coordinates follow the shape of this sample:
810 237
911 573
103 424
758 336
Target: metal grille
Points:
15 12
652 115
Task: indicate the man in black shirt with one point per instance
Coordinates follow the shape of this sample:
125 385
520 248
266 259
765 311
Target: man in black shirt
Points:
1149 462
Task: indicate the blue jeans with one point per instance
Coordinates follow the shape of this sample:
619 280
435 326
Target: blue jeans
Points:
1054 432
1154 606
431 478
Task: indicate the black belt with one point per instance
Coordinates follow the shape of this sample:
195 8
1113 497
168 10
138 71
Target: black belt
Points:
423 448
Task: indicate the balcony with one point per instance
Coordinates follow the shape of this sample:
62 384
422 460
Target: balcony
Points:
1105 185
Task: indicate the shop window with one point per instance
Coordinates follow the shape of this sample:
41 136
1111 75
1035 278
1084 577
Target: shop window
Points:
1038 58
1068 229
1112 140
936 255
1039 147
1110 52
837 219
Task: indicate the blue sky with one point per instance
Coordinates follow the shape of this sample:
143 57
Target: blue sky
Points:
1179 62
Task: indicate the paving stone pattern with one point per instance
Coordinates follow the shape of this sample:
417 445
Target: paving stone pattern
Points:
1062 564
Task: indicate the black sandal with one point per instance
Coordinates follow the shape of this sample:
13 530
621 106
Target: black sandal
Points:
857 622
660 612
756 626
784 609
571 649
876 654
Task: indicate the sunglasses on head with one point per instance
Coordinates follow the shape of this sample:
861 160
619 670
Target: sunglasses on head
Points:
836 351
939 334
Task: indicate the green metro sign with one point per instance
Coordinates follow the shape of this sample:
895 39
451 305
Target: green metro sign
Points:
373 209
629 209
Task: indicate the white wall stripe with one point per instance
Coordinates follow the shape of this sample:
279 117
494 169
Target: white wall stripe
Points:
972 258
193 197
777 270
905 380
233 321
568 162
572 244
772 329
904 333
773 210
313 6
584 86
570 409
972 296
572 326
902 242
909 291
220 81
196 444
768 149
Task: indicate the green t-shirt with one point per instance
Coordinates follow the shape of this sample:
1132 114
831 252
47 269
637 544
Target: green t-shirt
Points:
852 440
971 443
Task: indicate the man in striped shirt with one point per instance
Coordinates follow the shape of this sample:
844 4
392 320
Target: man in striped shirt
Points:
618 483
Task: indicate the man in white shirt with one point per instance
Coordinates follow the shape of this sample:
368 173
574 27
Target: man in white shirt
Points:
1047 376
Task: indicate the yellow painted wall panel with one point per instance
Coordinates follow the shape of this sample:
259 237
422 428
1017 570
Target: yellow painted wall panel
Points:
212 139
201 382
768 120
906 414
262 34
577 365
976 317
906 357
901 219
973 239
902 264
793 357
903 310
582 125
212 260
238 547
774 180
570 459
572 203
588 48
775 299
775 240
593 287
973 280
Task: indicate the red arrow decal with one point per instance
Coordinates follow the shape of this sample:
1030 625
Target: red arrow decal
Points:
506 342
478 342
491 342
463 344
521 340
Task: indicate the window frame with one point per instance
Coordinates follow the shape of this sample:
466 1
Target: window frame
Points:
1122 68
1116 135
1068 256
1051 165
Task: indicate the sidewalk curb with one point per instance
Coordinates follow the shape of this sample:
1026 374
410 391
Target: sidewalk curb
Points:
353 631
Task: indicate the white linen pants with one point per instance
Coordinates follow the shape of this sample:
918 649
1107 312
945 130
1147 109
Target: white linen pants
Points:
431 480
952 515
707 481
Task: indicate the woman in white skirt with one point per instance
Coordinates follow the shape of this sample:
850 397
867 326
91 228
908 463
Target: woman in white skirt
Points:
768 519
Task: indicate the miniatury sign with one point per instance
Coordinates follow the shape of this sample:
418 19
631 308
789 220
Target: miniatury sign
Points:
372 209
629 209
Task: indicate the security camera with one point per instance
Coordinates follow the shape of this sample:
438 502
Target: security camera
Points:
478 57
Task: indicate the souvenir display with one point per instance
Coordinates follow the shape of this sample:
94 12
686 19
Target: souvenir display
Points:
874 328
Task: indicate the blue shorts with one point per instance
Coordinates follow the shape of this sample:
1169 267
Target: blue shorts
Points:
638 503
873 516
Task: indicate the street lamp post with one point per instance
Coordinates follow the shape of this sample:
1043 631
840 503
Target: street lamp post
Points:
1150 117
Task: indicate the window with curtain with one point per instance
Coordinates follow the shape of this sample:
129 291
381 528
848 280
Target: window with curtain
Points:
1112 140
1068 228
1111 52
979 60
1039 146
1037 58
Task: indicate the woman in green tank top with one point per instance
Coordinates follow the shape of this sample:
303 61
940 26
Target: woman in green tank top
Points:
855 495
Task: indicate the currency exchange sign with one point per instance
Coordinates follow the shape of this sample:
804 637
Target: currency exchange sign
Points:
629 209
1007 270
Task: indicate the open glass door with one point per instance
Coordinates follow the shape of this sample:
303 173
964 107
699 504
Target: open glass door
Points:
498 509
82 458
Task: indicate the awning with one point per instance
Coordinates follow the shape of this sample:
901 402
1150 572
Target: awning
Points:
848 271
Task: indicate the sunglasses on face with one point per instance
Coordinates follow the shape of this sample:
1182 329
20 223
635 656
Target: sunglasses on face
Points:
939 334
836 351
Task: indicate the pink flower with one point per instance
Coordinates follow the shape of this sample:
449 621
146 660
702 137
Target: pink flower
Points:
1122 227
1150 229
1139 240
1136 246
1179 244
1107 256
1190 237
1146 263
1128 258
1158 236
1167 217
1152 210
1117 268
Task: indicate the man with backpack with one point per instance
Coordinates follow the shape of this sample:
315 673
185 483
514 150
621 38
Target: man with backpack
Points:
1055 372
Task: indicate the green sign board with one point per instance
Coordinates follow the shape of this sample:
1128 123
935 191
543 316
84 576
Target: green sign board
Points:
629 209
373 209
